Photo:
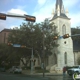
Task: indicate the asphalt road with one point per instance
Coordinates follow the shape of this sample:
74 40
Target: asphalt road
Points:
61 77
9 76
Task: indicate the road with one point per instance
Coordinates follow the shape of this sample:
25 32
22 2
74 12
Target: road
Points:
8 76
61 77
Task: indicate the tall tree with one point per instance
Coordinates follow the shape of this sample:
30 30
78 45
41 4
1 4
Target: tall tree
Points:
32 35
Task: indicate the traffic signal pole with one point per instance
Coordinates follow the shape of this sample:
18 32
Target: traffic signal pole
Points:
32 55
43 57
32 63
27 17
18 16
65 36
74 35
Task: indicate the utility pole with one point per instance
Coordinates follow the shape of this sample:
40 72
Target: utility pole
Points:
43 56
32 62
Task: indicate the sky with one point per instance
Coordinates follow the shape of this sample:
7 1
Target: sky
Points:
41 9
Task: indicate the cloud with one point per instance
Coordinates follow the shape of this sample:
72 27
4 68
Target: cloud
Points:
41 2
75 19
17 11
44 12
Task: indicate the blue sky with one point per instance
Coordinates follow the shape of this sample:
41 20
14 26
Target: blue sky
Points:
40 8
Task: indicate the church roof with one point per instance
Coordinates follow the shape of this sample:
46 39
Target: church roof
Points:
61 15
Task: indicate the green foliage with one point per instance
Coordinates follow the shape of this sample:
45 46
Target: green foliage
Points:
32 35
76 31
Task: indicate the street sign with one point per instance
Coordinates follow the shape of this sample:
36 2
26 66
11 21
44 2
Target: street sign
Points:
16 45
60 37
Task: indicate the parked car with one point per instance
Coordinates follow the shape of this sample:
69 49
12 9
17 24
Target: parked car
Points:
75 69
15 69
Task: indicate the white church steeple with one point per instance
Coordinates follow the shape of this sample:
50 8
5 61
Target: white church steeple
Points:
64 51
59 10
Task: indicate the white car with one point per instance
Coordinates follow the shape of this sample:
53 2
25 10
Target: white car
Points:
15 69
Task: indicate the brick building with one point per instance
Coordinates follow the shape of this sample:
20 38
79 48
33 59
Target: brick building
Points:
4 35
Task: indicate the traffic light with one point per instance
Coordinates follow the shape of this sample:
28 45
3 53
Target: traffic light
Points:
2 16
30 18
55 37
23 46
66 36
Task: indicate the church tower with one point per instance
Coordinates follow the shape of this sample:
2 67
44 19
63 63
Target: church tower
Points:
64 52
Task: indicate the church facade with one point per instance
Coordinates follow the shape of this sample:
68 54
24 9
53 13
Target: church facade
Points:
63 54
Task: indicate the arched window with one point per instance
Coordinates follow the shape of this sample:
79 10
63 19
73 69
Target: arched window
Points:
65 57
63 29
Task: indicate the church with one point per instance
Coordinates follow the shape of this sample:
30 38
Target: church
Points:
63 54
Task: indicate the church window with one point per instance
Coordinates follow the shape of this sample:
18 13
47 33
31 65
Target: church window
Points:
65 57
63 29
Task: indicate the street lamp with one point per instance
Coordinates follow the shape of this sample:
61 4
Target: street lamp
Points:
32 63
43 63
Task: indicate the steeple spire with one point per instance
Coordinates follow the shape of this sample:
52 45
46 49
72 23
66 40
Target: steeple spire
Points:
60 4
59 10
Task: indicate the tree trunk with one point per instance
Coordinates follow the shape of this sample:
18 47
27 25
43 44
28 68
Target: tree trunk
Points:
26 61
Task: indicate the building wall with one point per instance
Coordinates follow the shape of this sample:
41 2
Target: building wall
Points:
63 48
4 36
76 57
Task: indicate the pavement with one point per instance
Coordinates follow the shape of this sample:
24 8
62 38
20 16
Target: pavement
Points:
28 72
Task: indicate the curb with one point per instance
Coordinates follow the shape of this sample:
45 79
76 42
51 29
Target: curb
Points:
41 74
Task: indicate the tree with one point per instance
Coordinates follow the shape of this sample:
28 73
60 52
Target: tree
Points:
4 53
76 39
31 35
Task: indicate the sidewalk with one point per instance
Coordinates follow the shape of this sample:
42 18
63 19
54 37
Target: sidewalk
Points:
28 72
